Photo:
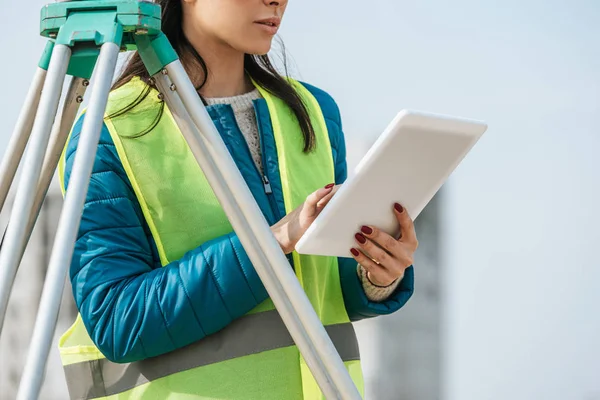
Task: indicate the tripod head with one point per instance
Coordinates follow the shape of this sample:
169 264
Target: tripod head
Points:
85 25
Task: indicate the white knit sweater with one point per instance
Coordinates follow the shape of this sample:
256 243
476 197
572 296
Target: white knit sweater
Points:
243 109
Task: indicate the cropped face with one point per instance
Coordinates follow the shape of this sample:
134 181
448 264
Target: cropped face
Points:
245 25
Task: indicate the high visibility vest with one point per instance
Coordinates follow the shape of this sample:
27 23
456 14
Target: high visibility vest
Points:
254 357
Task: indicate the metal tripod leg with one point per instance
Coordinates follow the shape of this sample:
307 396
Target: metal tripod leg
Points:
235 215
70 218
20 136
58 138
23 206
255 226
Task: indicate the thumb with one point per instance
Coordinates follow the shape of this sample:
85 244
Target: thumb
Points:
310 205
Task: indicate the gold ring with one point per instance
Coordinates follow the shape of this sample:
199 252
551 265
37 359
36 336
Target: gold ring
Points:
376 262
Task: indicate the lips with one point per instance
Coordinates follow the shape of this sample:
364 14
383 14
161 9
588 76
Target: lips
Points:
267 23
272 22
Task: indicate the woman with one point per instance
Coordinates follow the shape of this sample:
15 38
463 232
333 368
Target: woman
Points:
170 305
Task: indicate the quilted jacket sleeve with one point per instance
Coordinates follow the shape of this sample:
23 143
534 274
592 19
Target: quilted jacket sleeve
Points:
358 306
131 306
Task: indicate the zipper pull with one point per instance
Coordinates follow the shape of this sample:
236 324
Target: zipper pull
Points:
267 185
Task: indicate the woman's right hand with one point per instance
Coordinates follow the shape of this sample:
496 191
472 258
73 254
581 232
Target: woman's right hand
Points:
290 228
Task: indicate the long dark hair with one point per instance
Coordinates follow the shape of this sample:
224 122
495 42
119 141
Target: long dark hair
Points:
259 68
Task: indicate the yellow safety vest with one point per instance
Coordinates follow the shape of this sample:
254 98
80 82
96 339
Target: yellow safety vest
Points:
254 357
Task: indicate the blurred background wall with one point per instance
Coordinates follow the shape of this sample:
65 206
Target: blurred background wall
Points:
507 273
24 303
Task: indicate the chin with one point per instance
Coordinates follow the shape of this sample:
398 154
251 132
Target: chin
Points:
257 49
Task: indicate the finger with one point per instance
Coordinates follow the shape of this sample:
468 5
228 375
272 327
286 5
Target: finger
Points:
316 196
373 251
407 226
382 239
325 200
375 272
393 263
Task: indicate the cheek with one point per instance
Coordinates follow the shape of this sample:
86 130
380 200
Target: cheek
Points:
248 38
231 21
213 17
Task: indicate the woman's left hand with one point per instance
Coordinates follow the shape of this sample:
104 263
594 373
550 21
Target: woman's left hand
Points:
383 257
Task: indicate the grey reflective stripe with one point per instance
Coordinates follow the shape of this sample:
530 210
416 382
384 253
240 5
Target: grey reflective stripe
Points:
248 335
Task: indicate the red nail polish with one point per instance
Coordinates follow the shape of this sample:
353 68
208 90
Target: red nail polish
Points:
354 252
330 186
366 230
361 239
398 207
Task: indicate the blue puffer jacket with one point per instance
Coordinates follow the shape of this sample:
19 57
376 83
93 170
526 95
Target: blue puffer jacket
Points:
132 307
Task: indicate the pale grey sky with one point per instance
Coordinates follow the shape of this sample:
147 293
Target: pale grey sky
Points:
522 273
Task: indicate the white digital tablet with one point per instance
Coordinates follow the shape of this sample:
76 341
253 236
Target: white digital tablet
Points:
407 164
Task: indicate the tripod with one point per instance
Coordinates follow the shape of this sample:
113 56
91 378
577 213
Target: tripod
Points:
87 36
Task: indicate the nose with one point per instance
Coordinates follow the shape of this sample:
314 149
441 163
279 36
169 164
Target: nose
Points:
272 3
